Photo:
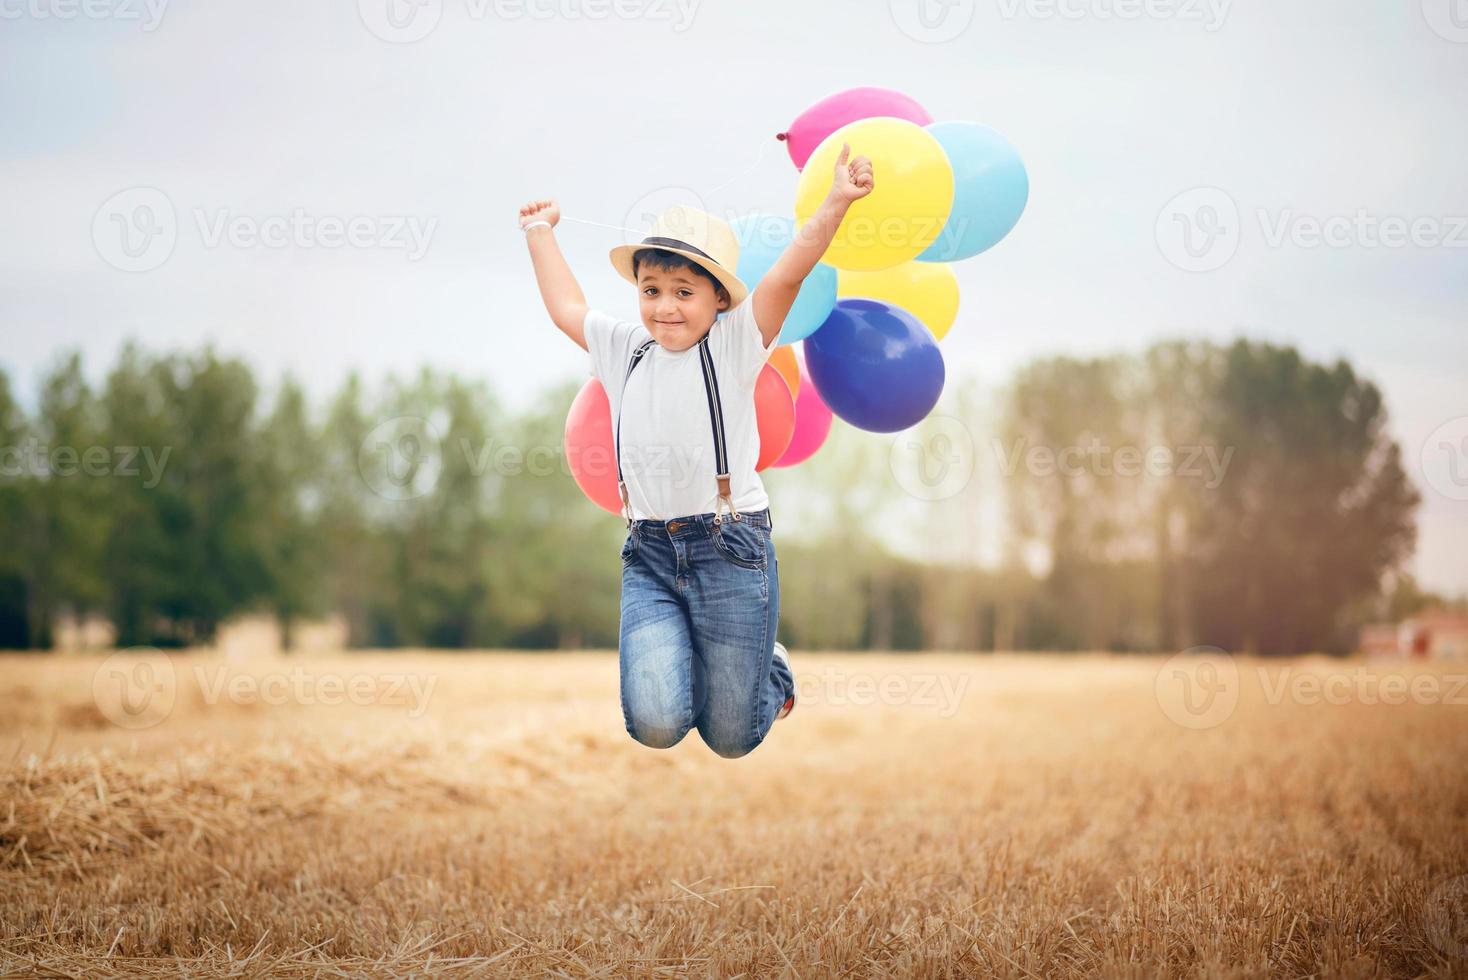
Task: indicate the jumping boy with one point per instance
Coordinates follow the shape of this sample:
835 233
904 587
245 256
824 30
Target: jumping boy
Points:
700 580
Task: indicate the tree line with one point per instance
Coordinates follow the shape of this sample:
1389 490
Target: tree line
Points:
1192 493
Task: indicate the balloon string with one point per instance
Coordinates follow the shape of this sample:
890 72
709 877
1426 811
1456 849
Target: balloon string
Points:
759 158
598 224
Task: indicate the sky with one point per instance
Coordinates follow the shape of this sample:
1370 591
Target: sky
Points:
1148 128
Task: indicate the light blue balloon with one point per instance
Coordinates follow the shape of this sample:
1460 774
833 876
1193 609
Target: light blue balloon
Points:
762 239
990 188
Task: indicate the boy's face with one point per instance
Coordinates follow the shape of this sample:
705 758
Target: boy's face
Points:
678 305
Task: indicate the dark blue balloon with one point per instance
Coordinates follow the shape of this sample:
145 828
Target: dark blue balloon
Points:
875 365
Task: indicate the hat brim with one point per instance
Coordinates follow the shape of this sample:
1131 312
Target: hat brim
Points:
622 262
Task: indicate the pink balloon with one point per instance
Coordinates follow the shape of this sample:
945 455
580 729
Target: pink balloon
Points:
812 423
835 111
588 443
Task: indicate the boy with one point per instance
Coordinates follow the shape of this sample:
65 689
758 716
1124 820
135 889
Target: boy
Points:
700 580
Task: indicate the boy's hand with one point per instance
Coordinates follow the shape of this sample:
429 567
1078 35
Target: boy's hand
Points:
540 211
853 181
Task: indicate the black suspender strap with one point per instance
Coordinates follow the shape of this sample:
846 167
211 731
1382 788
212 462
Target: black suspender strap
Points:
716 420
617 435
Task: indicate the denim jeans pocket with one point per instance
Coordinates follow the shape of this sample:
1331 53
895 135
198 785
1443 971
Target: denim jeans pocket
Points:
629 549
740 544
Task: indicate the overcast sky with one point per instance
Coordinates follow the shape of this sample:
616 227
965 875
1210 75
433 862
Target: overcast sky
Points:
435 120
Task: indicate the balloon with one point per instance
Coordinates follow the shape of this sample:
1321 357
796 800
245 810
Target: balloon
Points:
774 412
927 290
762 239
589 449
588 437
909 202
812 425
835 111
783 358
875 365
990 190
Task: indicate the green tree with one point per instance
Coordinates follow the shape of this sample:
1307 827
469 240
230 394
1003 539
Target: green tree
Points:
289 485
184 551
15 521
1314 511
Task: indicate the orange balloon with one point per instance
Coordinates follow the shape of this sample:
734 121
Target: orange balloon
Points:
774 411
589 450
784 360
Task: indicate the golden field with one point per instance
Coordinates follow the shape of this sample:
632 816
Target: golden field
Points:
932 815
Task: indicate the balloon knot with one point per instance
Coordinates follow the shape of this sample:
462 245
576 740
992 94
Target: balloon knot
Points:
782 136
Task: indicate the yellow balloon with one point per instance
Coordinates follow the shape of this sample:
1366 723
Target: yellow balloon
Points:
927 290
911 196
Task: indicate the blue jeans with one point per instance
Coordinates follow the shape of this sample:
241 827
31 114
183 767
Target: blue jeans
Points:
699 612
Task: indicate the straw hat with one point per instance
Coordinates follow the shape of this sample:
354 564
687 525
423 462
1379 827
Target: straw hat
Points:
696 236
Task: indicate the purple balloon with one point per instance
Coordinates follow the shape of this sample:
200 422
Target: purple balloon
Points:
875 365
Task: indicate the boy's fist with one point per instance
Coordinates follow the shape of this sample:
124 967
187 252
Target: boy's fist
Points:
852 181
540 211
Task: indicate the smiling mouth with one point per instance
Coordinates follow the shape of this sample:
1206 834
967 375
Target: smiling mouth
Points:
670 323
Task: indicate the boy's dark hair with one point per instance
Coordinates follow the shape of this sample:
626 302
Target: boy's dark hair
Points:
670 261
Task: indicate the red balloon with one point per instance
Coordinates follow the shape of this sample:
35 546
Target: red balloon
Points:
589 446
812 424
774 411
588 438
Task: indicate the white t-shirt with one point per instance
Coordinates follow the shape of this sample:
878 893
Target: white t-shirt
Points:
667 441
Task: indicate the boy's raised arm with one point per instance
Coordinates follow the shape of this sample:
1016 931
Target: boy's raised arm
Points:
776 292
559 290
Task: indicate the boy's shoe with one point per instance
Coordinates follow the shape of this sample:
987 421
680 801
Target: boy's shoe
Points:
783 656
